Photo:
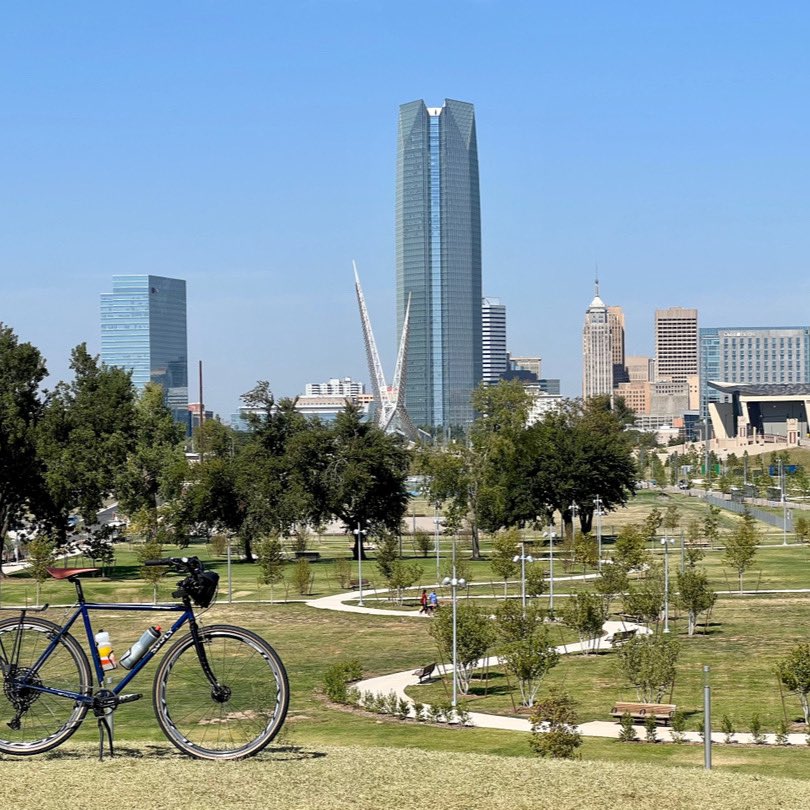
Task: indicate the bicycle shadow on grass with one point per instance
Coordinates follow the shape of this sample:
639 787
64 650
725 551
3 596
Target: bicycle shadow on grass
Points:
280 753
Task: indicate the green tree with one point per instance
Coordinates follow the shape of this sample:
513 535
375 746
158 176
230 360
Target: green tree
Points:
694 595
630 549
40 558
365 476
144 523
271 561
659 474
611 583
649 663
474 636
22 489
794 673
585 613
644 600
387 554
85 435
403 575
741 545
554 726
801 526
711 525
672 517
652 523
504 549
535 580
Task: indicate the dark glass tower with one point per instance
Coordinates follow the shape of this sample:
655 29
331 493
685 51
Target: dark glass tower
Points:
143 329
438 254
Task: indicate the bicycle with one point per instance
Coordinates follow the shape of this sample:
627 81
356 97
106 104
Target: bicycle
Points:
219 693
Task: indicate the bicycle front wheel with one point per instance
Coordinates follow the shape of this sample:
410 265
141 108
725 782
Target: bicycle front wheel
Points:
238 719
33 721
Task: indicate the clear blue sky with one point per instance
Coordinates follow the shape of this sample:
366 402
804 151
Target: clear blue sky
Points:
249 147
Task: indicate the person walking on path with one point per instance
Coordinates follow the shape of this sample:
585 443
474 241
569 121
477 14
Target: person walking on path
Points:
433 602
423 601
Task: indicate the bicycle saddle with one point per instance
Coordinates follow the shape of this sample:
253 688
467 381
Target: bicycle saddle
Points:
66 573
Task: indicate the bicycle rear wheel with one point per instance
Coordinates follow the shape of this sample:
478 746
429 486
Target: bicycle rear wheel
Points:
238 720
45 720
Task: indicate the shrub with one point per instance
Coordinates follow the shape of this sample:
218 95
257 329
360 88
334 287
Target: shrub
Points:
756 730
554 727
435 713
678 727
337 678
343 572
782 733
463 717
627 733
419 712
651 728
403 709
302 576
422 541
727 727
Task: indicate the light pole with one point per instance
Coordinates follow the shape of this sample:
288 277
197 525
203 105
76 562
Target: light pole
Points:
436 523
358 533
454 583
574 510
597 503
230 580
666 542
550 535
784 501
524 558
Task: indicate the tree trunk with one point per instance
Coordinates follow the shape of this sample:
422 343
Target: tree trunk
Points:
355 549
741 576
475 542
692 622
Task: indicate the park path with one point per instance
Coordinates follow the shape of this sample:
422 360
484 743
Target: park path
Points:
398 682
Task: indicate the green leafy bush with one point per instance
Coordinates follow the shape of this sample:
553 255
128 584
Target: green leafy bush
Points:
337 678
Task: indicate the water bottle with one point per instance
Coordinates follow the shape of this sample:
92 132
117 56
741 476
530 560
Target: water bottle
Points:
139 648
105 651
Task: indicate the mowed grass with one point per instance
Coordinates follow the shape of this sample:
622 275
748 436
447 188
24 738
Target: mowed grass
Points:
325 777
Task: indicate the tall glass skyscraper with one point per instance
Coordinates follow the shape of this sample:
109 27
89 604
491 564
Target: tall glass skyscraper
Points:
438 256
143 329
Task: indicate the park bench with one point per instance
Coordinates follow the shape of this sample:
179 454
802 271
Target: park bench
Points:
354 584
308 555
423 673
698 543
662 712
622 637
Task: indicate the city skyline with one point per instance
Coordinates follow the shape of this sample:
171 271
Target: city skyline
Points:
668 146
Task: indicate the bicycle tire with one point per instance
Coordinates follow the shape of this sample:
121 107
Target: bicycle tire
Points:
234 728
44 710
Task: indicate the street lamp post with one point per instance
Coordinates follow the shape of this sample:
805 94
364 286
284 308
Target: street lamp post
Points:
666 542
454 584
436 523
230 579
597 502
574 511
524 558
359 532
551 535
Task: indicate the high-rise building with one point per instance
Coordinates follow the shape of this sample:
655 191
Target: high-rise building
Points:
754 355
639 368
143 329
616 318
676 343
438 259
597 350
529 364
493 340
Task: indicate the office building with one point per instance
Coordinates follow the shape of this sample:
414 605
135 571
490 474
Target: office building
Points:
616 318
752 356
676 343
143 329
438 260
597 350
530 364
493 340
639 368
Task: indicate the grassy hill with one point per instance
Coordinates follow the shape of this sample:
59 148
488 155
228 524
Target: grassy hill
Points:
147 778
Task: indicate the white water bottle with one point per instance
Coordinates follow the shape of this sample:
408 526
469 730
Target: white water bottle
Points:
105 651
139 648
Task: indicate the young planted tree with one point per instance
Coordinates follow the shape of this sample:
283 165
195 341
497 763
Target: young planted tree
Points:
711 525
525 647
649 663
271 561
794 673
554 726
694 596
504 549
644 600
40 558
474 636
672 517
585 613
630 550
387 554
741 546
612 582
652 523
801 527
403 575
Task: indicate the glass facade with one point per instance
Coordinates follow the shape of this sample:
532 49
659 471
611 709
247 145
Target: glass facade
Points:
438 255
143 329
762 355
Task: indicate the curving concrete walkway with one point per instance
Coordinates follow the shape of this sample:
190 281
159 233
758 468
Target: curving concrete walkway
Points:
398 682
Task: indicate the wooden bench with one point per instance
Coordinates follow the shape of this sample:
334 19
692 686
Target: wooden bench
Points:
354 584
622 637
641 711
308 555
423 673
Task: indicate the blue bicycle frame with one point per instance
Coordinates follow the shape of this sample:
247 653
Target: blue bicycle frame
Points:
83 609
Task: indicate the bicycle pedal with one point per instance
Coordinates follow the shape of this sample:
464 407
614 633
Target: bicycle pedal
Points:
128 698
